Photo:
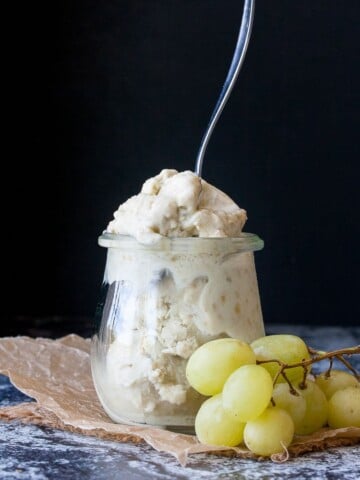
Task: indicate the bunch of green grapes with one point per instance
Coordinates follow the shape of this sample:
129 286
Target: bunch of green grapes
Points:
261 394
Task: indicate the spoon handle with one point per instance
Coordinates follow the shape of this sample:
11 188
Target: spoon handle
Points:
237 61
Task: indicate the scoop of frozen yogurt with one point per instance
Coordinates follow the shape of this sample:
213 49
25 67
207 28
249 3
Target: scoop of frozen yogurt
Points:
178 204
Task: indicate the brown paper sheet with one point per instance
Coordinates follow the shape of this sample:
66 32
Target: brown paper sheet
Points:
56 373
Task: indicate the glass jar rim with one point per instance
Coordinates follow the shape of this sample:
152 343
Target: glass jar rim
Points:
244 242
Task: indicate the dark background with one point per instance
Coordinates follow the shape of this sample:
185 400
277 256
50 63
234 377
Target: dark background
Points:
106 94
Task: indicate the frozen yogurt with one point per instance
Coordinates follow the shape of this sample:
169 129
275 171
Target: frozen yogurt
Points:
178 204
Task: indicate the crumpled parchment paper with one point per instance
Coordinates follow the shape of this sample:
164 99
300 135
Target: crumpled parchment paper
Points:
56 373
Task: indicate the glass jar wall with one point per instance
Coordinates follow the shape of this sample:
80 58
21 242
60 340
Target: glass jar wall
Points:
160 302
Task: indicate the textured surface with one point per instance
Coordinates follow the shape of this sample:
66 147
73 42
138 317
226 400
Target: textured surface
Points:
31 452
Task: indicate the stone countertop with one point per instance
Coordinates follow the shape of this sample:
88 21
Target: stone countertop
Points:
29 452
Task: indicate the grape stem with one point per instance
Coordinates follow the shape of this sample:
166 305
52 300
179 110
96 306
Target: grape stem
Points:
316 356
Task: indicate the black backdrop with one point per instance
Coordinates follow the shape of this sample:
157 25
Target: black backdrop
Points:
106 94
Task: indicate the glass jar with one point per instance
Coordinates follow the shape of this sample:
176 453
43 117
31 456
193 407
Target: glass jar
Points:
159 303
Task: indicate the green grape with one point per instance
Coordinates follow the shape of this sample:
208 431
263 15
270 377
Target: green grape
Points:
214 425
295 405
270 433
247 392
287 348
211 364
338 380
344 408
316 412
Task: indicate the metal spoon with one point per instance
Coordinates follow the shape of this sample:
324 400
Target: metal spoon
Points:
237 61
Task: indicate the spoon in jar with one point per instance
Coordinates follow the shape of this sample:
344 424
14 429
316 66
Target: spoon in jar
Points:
237 61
